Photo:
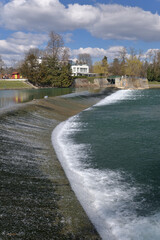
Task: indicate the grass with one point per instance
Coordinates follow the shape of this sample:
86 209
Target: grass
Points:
154 82
4 84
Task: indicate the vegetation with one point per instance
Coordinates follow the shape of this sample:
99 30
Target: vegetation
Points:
85 58
4 84
101 67
154 82
48 68
135 65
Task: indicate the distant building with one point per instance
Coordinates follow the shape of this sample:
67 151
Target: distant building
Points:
15 75
80 70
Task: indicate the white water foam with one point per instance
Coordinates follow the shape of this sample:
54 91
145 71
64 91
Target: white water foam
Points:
106 198
116 97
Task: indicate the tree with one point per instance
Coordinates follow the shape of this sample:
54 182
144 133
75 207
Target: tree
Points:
97 67
133 66
101 67
150 73
55 45
153 71
122 58
115 67
85 58
30 67
105 66
132 52
144 68
1 65
65 78
65 56
53 70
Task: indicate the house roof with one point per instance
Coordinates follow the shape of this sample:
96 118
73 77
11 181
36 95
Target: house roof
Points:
15 73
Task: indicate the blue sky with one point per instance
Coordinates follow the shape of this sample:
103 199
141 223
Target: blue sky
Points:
97 27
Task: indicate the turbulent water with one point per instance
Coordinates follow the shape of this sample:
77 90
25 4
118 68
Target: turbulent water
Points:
110 153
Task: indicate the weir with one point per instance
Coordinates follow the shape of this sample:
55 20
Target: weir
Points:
113 81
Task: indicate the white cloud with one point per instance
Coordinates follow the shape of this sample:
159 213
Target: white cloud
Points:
107 21
15 46
111 52
68 37
150 54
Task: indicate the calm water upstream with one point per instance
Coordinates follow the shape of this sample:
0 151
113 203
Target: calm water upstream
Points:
9 98
111 155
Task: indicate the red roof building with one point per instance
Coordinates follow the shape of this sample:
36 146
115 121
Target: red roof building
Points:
15 75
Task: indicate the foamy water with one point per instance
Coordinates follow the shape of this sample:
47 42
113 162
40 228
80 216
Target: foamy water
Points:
104 194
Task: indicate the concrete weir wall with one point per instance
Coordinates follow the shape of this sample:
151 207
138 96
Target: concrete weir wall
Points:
133 83
120 82
97 82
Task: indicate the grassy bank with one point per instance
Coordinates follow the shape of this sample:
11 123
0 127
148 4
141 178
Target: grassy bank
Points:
154 84
4 84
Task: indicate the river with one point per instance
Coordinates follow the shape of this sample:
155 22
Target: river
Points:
111 155
8 98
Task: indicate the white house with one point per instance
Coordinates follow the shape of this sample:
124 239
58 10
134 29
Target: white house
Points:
78 70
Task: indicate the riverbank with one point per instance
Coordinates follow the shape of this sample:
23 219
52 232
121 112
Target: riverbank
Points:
154 84
37 201
92 83
12 84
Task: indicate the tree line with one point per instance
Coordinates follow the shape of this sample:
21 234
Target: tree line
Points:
50 67
131 64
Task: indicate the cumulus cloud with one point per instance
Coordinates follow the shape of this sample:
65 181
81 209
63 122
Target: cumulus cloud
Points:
15 46
111 52
107 21
68 37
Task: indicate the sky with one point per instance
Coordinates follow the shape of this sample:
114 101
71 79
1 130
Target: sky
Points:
98 27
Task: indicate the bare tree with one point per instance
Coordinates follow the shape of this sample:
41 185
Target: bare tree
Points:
122 54
140 54
122 57
85 58
55 45
65 55
1 65
132 52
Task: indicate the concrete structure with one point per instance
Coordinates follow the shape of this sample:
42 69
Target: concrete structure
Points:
80 70
113 81
131 83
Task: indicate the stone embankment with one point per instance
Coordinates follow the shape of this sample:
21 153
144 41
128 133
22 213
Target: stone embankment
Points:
96 82
118 82
131 83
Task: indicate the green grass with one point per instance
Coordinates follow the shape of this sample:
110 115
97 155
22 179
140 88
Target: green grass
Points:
4 84
154 82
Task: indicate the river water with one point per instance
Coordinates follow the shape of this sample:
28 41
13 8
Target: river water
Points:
8 98
110 153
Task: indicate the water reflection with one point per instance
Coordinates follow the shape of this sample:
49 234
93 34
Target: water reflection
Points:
12 97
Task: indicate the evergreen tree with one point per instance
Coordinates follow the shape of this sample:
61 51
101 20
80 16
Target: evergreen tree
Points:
65 76
105 66
30 68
